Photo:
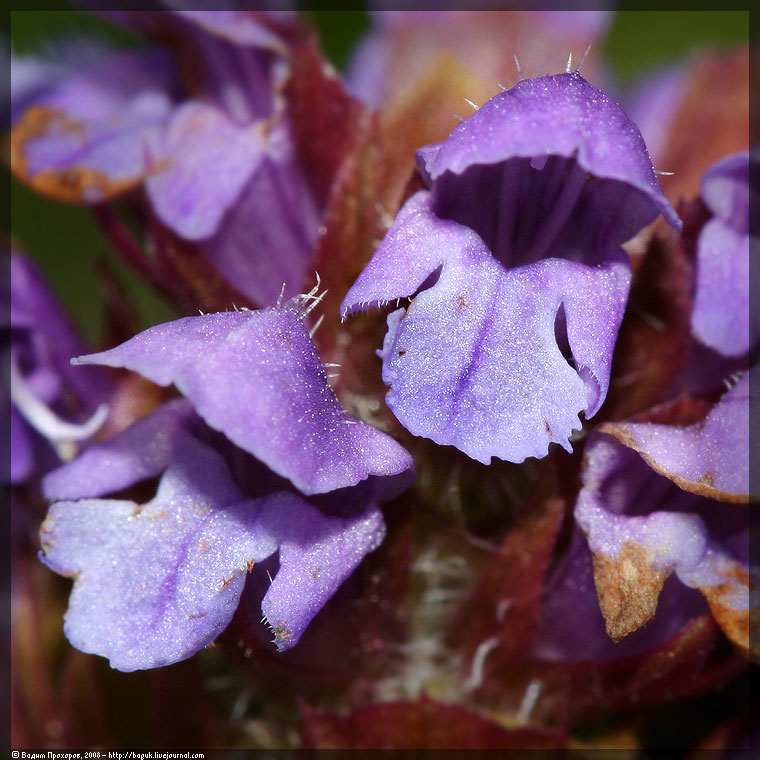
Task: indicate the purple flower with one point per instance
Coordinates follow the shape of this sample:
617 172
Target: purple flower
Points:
660 499
513 265
723 270
215 152
52 406
663 504
156 582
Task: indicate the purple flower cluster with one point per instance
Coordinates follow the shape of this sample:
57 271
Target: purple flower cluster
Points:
163 579
217 161
511 304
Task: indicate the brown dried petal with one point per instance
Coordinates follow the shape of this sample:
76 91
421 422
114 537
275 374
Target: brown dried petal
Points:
628 589
73 184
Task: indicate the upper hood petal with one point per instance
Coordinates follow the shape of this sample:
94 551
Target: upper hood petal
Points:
561 115
256 377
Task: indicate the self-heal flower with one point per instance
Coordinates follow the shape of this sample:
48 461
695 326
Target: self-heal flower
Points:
155 582
513 263
662 498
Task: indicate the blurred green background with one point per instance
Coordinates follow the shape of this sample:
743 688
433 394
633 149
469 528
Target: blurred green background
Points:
66 243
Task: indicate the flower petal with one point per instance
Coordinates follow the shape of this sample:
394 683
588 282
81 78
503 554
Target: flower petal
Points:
47 395
32 76
154 584
142 451
474 361
256 377
237 26
52 338
722 318
710 458
512 256
726 189
561 115
572 627
317 553
85 140
201 162
21 449
268 236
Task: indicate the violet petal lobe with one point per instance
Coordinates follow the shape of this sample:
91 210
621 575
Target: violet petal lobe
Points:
256 377
236 26
199 166
276 212
561 115
34 75
721 315
36 315
474 361
722 318
53 407
317 553
141 451
709 458
21 448
726 189
571 625
154 584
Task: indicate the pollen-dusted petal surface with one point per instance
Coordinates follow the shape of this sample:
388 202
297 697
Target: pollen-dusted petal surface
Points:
641 527
256 377
142 451
154 584
474 361
85 140
199 166
721 318
709 458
